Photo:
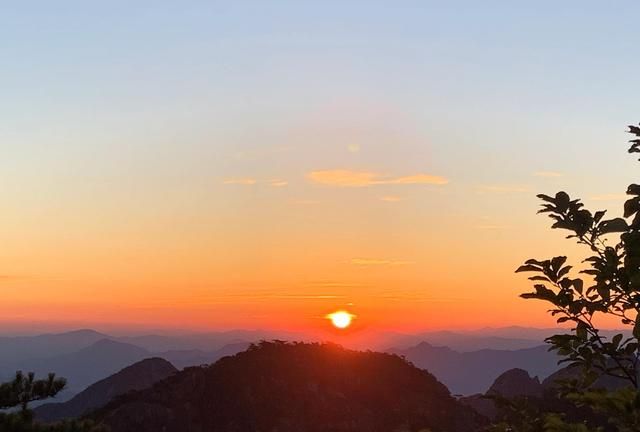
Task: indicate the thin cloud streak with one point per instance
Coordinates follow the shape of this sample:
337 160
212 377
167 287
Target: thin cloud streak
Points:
391 198
247 181
355 179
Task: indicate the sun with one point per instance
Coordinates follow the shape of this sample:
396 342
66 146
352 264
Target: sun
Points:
341 319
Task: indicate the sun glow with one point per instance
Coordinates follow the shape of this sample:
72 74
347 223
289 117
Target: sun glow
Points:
341 319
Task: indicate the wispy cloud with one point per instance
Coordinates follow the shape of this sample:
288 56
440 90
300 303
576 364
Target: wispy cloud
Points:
391 198
246 181
548 174
609 197
278 183
378 262
350 178
501 189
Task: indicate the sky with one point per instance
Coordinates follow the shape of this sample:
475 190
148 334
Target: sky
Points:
260 164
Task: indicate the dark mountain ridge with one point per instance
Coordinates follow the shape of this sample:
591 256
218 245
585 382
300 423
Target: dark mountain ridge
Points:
294 387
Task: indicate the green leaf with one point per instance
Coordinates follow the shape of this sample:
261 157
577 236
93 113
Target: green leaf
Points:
527 268
578 284
536 262
581 330
599 215
633 189
563 271
631 207
616 340
539 278
547 198
562 201
613 226
558 262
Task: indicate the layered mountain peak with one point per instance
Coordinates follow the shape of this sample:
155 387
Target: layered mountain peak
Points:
516 382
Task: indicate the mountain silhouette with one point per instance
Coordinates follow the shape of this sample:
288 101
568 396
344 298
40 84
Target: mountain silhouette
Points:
514 383
140 375
15 349
101 359
88 365
518 386
294 387
473 372
464 342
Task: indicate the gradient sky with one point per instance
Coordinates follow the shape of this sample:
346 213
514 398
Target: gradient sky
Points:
260 164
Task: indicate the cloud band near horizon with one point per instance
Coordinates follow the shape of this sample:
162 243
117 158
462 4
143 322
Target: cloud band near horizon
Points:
350 178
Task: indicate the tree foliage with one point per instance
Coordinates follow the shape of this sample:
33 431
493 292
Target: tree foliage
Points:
25 388
22 390
608 285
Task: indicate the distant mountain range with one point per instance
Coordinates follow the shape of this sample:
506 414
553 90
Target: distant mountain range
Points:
473 372
86 356
16 349
100 359
86 366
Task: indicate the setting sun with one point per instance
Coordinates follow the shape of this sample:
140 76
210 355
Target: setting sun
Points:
341 319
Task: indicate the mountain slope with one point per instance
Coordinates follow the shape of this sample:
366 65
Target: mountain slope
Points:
87 365
473 372
135 377
294 387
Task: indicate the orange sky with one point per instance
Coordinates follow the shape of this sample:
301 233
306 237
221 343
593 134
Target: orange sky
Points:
209 168
254 255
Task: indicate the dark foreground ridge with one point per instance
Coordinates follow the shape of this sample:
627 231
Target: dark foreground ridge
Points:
293 387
